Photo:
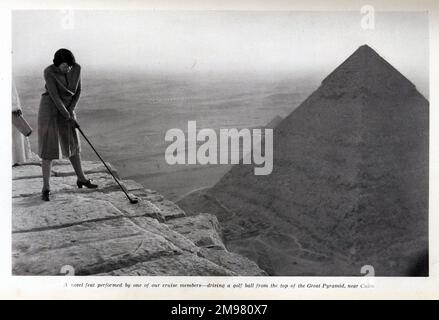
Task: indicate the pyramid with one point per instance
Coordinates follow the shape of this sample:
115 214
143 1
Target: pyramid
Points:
349 185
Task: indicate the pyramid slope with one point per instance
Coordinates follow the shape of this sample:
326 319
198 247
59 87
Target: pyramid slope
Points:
350 180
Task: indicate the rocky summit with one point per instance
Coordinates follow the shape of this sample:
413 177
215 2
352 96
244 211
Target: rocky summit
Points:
349 186
98 232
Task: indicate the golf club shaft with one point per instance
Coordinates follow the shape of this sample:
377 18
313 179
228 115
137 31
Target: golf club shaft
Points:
109 170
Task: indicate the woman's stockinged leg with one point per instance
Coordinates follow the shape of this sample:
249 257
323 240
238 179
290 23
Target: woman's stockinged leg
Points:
82 180
47 167
76 163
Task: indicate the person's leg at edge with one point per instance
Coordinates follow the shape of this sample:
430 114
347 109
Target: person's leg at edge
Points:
76 164
47 167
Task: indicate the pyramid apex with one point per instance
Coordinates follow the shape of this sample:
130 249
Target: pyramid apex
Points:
365 50
365 70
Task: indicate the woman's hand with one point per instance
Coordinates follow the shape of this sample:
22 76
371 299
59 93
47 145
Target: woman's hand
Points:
72 114
17 113
72 119
73 122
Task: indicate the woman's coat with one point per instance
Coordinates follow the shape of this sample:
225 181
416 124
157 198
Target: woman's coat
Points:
57 104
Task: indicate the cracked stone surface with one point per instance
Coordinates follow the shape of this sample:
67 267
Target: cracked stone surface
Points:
25 172
202 229
182 265
59 169
93 167
28 187
98 232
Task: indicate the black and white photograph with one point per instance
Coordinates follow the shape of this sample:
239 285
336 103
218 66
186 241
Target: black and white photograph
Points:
138 137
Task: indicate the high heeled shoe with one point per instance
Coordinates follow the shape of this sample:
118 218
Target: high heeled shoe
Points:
45 195
87 183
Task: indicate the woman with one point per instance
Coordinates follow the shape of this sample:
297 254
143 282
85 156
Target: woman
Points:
56 118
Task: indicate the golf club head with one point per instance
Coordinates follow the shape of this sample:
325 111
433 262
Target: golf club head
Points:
133 199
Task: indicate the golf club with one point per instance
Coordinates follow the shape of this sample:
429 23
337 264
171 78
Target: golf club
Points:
132 200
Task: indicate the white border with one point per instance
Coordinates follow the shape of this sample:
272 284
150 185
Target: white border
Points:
17 287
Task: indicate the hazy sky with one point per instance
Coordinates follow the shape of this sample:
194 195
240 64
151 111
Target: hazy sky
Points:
218 41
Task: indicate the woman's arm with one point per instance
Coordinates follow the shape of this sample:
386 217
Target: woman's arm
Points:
53 92
75 97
